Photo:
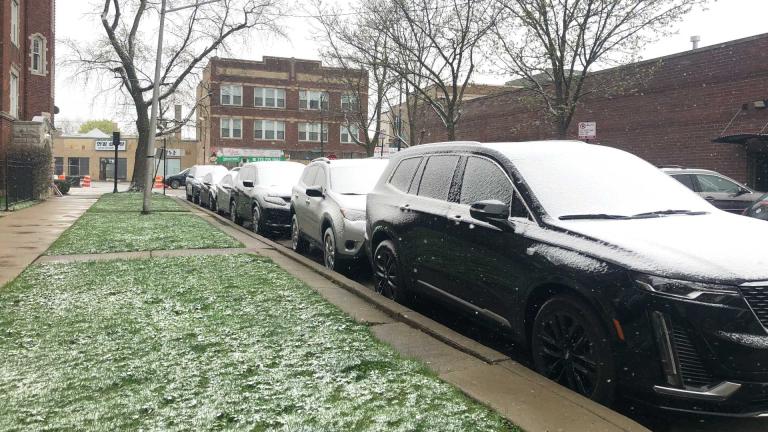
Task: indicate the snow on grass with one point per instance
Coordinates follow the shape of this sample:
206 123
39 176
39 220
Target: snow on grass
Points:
205 342
125 229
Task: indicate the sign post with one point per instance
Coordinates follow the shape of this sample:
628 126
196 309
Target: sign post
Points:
116 145
587 131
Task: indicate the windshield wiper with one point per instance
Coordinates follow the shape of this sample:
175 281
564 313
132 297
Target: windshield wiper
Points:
669 212
592 216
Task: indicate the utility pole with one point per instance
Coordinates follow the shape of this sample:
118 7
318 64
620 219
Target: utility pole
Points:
165 163
115 144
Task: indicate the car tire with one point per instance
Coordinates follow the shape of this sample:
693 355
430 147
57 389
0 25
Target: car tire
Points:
569 345
195 197
212 203
233 214
388 276
331 258
189 198
175 184
257 224
298 243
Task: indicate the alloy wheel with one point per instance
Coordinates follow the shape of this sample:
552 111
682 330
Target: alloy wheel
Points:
295 234
256 220
232 215
386 272
329 249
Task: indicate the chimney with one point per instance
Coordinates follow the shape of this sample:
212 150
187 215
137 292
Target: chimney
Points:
177 117
695 41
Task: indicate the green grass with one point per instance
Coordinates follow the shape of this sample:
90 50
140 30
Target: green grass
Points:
202 343
115 224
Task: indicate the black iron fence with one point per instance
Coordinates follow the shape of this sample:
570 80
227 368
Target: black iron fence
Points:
18 182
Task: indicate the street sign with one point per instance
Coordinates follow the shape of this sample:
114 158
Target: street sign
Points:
108 145
587 130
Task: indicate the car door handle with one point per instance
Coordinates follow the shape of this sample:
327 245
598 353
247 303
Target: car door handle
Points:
709 198
405 207
307 201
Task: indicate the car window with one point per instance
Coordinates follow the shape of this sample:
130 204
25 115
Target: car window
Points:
404 173
484 180
711 183
686 179
309 175
322 178
438 173
227 180
356 178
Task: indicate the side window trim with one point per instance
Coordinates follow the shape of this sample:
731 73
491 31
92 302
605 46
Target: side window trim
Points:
453 177
515 192
413 176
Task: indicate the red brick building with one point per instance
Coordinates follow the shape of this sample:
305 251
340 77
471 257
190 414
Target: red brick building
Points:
27 44
276 108
672 118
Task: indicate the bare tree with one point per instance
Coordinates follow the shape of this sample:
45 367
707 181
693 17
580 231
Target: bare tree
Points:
126 53
434 48
353 45
554 45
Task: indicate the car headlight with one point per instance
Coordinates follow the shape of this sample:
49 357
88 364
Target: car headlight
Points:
272 199
353 215
697 291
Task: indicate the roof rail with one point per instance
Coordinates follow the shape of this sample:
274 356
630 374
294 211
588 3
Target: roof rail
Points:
321 159
671 166
457 142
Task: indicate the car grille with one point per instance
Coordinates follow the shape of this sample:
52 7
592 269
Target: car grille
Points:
691 368
757 297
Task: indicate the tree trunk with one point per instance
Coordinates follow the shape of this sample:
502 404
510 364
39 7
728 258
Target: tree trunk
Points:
140 166
562 128
450 129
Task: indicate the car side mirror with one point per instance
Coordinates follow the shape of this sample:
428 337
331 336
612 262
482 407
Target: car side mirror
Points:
315 192
491 211
740 192
248 184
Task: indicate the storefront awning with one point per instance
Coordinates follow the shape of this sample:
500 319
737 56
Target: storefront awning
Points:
744 139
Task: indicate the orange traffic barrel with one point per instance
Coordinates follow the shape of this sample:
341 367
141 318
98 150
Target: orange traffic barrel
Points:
158 182
86 181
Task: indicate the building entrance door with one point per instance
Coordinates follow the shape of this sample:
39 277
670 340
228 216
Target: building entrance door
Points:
107 169
761 171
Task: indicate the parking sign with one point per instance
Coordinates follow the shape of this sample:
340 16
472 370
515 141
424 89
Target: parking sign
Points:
587 130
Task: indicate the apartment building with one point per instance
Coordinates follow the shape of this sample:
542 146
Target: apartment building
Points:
278 108
26 71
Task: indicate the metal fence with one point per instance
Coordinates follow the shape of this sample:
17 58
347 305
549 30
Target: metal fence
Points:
18 182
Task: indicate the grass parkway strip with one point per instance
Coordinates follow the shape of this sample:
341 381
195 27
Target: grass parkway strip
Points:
203 342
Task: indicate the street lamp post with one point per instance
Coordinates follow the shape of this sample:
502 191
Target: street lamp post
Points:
146 207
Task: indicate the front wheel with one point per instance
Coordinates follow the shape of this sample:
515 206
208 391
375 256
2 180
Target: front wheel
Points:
570 346
257 225
212 203
298 243
174 184
233 213
388 277
331 258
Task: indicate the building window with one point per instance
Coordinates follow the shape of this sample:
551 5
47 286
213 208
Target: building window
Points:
311 132
78 166
313 100
37 53
269 130
268 97
15 22
349 134
231 127
58 166
349 102
232 95
14 93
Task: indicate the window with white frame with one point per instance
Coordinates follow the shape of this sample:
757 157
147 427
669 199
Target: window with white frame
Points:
349 133
15 22
268 97
232 95
14 94
231 127
349 102
37 48
313 100
311 132
269 130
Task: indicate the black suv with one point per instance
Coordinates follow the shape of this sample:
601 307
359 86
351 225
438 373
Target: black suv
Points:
614 292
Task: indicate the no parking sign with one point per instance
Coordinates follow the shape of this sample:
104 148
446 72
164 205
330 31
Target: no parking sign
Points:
587 130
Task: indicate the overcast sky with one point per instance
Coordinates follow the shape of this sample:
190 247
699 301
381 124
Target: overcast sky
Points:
723 20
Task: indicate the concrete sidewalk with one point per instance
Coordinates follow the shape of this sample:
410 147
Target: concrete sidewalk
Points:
522 396
25 234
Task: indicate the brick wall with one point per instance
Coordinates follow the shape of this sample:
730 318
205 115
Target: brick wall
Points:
670 118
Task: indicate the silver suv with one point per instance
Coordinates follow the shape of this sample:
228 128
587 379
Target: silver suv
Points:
328 208
723 192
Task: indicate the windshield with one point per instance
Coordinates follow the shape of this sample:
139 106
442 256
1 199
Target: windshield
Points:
279 174
357 179
202 170
594 180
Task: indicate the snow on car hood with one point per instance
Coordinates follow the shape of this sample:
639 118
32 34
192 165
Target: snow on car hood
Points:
352 202
277 190
717 246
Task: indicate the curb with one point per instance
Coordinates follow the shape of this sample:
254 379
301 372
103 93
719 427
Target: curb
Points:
492 358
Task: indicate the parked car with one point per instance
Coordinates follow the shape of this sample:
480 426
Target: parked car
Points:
195 180
615 277
723 192
263 195
328 208
758 209
208 187
225 190
177 180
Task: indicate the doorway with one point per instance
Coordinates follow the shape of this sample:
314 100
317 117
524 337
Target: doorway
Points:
107 169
